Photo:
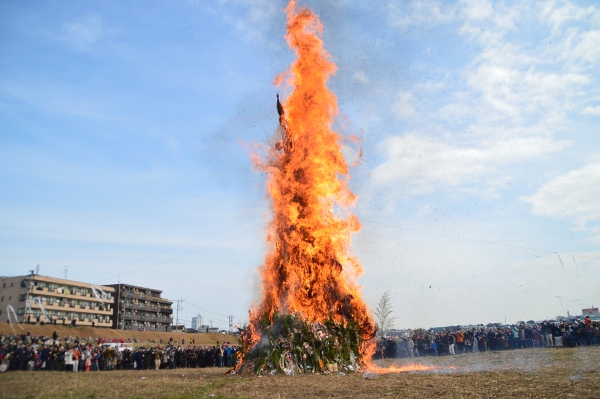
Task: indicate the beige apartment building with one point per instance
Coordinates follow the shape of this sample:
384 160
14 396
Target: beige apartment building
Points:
42 299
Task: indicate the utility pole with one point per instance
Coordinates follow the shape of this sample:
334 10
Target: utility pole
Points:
230 323
178 309
28 310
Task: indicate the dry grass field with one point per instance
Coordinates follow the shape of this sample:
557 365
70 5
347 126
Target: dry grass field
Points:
143 337
530 373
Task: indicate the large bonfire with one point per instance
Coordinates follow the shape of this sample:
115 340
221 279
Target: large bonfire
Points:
311 316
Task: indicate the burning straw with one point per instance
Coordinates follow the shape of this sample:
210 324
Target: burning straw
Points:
311 313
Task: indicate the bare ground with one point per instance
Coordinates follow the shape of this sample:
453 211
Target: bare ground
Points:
529 373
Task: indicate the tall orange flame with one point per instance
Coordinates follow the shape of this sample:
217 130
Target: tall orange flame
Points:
309 269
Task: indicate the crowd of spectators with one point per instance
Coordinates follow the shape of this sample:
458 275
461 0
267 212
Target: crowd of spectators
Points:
30 352
34 353
458 340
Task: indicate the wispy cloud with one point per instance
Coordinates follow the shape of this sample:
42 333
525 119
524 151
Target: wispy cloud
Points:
252 19
404 106
573 196
517 95
591 110
361 77
49 96
427 164
84 33
420 12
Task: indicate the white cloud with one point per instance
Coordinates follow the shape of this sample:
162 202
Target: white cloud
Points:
541 80
252 19
420 12
518 95
361 77
85 32
476 9
591 110
404 105
424 163
561 12
574 195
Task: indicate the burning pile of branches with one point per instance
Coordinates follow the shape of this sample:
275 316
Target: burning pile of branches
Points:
311 316
294 346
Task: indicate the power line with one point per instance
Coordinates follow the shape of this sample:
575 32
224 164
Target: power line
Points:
206 310
179 256
477 270
482 241
178 246
195 314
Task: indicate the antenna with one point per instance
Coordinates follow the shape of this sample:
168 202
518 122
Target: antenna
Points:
37 270
66 269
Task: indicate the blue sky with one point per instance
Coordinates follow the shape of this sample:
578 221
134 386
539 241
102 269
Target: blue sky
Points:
125 130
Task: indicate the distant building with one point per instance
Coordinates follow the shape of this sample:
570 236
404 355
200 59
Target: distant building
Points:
205 328
139 308
196 322
43 299
593 313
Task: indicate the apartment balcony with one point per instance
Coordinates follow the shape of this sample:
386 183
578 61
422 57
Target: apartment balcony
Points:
52 293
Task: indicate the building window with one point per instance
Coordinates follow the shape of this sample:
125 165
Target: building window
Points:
22 297
24 283
20 311
9 297
2 299
11 284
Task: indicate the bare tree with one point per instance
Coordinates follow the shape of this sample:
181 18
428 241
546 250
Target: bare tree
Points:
383 313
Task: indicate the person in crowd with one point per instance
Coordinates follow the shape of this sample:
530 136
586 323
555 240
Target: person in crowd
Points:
157 355
88 363
22 352
68 358
445 342
76 355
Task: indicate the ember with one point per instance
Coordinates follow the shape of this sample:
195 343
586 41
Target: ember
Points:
311 316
